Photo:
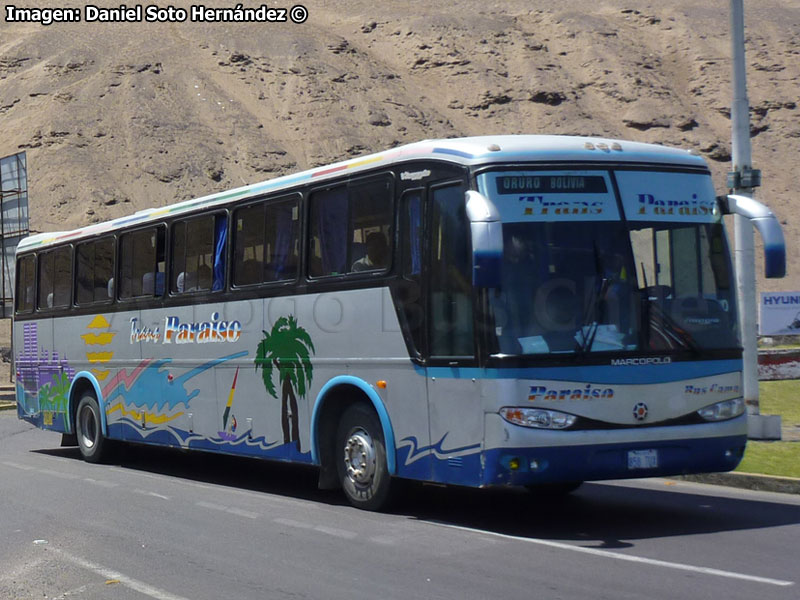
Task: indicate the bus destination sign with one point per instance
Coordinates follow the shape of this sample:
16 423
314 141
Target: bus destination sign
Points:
551 184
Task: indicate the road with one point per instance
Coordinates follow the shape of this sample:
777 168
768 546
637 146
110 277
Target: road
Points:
171 526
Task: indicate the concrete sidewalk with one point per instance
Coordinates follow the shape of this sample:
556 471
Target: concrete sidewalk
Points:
749 481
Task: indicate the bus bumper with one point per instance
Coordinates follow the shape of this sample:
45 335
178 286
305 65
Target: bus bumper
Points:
530 457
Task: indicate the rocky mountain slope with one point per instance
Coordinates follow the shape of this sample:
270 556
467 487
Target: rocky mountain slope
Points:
117 117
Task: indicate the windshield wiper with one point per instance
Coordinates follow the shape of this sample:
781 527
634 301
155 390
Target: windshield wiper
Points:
661 322
591 318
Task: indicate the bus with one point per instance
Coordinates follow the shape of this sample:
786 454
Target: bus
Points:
517 310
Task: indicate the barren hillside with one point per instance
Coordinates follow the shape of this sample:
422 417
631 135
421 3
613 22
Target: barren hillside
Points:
118 117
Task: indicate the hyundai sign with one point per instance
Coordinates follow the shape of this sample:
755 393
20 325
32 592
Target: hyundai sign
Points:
779 313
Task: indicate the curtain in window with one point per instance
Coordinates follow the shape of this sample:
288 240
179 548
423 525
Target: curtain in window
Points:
221 235
331 213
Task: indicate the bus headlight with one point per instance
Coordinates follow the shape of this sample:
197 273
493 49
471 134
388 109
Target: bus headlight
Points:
720 411
537 417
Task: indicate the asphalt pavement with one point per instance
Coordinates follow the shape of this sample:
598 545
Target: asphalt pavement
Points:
170 525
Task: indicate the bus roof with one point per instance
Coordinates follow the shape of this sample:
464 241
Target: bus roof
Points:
468 151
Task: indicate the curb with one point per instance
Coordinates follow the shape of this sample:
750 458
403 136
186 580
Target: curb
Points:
748 481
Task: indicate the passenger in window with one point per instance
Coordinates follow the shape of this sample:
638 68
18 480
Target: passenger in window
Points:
152 284
377 254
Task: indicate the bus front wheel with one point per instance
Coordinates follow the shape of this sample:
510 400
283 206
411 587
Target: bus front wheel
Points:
88 430
361 460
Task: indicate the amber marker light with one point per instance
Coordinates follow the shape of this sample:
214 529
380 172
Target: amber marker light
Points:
381 383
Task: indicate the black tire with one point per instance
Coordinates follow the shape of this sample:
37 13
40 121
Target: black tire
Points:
361 458
550 491
88 429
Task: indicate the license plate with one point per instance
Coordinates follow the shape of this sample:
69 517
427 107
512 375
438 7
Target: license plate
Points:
643 459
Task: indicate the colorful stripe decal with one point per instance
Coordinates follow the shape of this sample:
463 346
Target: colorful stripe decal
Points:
453 152
608 374
253 190
230 400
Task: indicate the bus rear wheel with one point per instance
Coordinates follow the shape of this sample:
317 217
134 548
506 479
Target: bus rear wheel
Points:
88 429
361 463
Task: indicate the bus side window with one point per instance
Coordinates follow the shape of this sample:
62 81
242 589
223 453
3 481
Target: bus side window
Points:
328 255
370 247
142 263
451 327
55 278
266 247
26 276
409 287
94 271
351 228
198 254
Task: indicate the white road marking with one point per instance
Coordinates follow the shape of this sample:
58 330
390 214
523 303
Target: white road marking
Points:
340 533
293 523
58 474
153 494
17 466
242 513
626 557
384 540
106 573
234 511
101 482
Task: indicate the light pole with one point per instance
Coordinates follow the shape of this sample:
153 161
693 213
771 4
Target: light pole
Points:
742 180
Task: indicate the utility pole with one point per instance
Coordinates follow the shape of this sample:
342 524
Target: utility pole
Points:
742 180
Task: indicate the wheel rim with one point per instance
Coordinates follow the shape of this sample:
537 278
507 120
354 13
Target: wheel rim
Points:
88 427
359 457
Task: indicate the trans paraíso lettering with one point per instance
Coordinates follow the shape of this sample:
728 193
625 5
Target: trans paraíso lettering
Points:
542 393
202 332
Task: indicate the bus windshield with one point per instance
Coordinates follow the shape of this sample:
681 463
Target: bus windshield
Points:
576 278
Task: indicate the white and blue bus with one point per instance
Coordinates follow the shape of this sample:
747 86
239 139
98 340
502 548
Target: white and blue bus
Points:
493 311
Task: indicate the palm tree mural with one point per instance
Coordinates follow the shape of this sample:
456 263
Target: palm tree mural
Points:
287 350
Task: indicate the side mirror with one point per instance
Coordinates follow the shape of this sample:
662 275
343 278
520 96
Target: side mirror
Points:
487 240
768 227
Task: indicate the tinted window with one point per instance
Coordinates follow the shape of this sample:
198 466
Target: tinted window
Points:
142 263
25 283
450 276
266 246
95 271
408 289
55 278
351 228
198 254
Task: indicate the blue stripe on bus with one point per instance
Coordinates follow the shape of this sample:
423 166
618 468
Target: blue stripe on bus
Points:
453 152
70 427
636 374
383 415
